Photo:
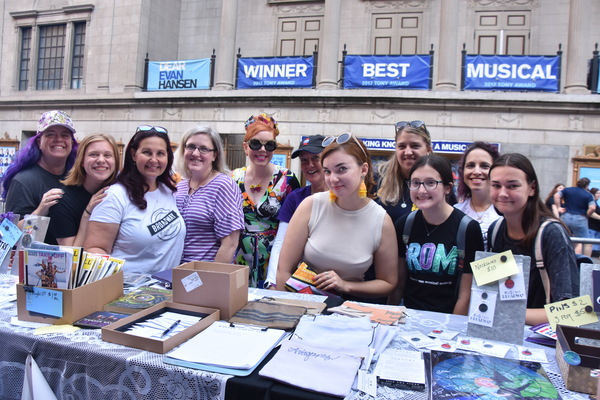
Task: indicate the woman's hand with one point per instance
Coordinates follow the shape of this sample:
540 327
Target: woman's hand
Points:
96 199
330 281
50 198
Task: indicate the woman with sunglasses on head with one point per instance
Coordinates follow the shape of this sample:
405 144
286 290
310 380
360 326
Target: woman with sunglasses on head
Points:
433 275
412 142
264 187
342 233
31 184
516 194
207 198
96 167
474 184
138 221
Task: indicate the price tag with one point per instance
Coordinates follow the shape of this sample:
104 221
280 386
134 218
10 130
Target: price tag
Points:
572 312
493 268
45 301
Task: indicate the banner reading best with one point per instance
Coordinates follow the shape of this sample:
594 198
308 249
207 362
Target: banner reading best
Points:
387 72
179 75
516 73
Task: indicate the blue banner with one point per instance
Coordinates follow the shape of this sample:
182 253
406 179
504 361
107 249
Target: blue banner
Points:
179 75
275 72
518 73
387 72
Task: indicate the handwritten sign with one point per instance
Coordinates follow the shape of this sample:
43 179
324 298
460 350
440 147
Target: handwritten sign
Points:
572 312
45 301
493 268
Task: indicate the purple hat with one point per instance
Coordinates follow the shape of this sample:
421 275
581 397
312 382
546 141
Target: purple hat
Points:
313 144
54 118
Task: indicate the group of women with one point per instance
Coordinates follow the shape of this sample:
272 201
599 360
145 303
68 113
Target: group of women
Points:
404 228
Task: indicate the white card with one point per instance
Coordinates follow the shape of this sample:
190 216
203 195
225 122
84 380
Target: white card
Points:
444 334
468 343
367 383
532 354
482 307
444 345
513 287
417 339
494 349
191 282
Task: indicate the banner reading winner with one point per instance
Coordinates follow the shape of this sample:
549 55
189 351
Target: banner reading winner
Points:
179 75
275 72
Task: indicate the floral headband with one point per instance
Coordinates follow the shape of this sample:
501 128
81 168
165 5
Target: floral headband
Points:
265 119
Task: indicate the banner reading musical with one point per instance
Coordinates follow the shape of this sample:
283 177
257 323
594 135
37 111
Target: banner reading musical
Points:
514 73
179 75
387 72
275 72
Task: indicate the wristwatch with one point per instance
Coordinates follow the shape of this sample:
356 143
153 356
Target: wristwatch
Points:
268 285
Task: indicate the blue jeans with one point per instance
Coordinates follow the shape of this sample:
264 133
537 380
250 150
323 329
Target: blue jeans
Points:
578 224
594 235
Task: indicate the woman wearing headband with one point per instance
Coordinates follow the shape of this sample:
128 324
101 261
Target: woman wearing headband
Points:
31 185
341 233
412 142
138 221
264 187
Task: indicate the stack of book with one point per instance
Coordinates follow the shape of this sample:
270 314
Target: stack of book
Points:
65 267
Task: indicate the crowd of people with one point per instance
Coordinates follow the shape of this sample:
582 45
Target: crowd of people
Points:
403 233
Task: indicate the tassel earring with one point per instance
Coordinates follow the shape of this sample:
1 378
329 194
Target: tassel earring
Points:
332 196
362 191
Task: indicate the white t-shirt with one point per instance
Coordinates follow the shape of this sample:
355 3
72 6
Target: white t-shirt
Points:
485 218
150 240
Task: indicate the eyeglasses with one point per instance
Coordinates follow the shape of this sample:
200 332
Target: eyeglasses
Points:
255 144
343 138
428 184
202 149
148 128
413 124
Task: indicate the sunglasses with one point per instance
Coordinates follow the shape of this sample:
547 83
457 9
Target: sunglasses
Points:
343 138
148 128
264 118
255 144
413 124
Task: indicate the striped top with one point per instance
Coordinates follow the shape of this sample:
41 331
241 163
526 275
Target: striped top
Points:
212 212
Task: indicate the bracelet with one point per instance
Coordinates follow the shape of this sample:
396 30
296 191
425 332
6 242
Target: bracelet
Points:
89 213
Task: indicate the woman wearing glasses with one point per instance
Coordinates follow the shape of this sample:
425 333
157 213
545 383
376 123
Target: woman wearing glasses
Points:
264 187
341 233
474 184
412 142
433 276
208 199
138 221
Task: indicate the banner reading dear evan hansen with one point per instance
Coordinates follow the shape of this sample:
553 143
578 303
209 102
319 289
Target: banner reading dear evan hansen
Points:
387 72
179 75
275 72
516 73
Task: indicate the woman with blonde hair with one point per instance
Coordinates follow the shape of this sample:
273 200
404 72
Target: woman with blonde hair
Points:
96 166
412 142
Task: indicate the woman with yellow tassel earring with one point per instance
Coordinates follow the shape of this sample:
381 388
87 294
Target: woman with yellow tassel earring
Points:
340 234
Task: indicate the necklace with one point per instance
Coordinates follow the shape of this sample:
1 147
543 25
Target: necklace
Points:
202 183
427 231
478 216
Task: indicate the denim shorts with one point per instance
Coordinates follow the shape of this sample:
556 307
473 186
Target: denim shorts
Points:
578 224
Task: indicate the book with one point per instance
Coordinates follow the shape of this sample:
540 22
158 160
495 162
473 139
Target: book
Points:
48 268
138 299
472 376
98 319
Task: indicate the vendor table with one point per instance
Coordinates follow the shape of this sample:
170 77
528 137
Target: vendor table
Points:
80 365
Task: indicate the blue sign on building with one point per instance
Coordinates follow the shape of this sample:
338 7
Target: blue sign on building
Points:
275 72
387 72
179 75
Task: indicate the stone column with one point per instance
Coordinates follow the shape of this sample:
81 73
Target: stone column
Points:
225 62
447 56
575 75
329 52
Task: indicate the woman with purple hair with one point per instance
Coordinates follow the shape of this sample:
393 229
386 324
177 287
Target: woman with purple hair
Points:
31 185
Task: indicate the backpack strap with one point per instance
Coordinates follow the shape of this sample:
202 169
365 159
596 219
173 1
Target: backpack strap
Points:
495 227
408 227
539 259
461 239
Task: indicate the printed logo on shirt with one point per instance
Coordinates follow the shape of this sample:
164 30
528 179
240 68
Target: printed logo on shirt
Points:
432 259
165 224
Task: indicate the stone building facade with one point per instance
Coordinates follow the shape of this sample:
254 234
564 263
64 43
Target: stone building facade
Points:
87 57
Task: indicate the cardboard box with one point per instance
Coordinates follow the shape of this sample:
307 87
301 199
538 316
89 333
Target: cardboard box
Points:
216 285
115 332
581 341
77 303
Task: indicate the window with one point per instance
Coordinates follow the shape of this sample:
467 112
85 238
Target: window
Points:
299 36
396 33
55 61
502 32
